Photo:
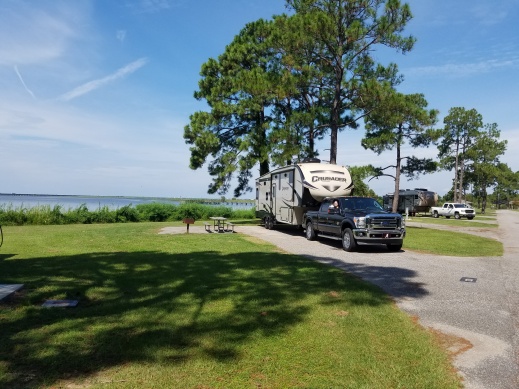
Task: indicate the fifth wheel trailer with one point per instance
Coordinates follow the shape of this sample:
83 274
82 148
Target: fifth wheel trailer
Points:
413 201
283 195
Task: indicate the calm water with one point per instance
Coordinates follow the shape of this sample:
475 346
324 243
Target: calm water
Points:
93 203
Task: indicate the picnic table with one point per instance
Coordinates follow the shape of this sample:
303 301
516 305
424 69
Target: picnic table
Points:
218 223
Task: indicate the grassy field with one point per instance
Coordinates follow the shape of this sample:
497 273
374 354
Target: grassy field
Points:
198 311
451 243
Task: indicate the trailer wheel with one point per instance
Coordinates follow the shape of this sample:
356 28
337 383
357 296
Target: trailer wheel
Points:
348 241
269 223
310 233
435 214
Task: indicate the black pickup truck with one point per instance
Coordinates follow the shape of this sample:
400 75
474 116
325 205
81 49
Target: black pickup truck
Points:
355 220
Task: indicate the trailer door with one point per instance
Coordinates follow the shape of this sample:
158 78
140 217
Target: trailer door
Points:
286 196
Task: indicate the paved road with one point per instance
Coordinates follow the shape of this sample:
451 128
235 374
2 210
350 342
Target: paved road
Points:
482 315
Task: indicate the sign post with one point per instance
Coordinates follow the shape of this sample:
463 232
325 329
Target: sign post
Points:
188 221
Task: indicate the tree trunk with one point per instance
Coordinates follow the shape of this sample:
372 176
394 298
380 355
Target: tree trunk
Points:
396 196
456 172
461 194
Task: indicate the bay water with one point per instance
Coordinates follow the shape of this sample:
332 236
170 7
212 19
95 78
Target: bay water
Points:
16 201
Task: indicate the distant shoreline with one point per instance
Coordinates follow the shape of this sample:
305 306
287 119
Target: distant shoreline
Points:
179 199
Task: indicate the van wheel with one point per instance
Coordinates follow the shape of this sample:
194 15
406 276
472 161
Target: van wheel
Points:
310 233
457 215
348 242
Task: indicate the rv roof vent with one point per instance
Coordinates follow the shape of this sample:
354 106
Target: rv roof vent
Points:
421 189
311 160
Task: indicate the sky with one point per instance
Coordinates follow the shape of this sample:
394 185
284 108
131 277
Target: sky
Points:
94 95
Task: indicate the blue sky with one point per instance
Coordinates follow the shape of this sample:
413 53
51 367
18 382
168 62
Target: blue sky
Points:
94 95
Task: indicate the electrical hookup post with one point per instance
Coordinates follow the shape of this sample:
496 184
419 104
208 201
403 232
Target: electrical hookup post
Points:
187 221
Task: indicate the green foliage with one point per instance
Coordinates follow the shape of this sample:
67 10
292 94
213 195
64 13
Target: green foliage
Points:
280 85
237 87
358 175
153 212
462 126
396 120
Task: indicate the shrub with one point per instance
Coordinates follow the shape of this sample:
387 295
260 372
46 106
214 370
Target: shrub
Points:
79 215
127 214
12 216
104 215
244 213
155 212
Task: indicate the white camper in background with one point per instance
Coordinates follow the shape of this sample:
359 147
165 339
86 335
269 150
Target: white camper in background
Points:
285 194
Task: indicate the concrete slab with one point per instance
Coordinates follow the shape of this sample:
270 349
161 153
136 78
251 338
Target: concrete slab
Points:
7 289
60 303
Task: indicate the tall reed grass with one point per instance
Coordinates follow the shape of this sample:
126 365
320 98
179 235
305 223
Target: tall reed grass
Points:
153 212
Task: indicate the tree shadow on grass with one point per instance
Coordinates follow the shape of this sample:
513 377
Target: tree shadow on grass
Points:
154 307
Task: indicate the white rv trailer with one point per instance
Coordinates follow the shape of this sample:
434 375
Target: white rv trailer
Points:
286 193
412 201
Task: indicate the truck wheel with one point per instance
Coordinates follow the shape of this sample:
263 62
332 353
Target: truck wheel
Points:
447 217
470 217
348 242
310 233
394 247
457 215
435 214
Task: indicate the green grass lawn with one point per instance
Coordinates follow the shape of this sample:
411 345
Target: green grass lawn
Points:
457 244
198 311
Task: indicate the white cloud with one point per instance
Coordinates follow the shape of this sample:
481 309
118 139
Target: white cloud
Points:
96 84
463 69
23 82
120 35
31 35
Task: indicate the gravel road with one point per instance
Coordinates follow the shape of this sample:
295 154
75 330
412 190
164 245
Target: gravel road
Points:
481 312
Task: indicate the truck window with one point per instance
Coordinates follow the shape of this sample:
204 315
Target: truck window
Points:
324 206
347 204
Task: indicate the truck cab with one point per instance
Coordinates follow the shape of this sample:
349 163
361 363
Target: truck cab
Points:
355 220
